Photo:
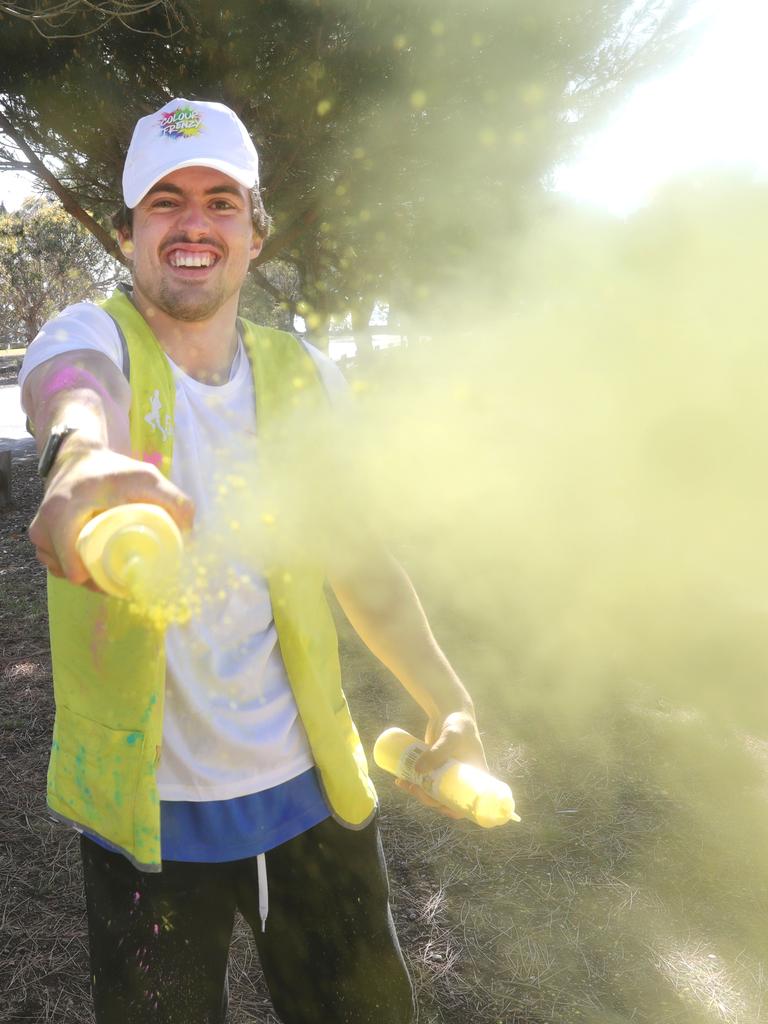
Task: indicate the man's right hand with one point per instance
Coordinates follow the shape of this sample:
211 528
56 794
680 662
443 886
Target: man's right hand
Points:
93 470
86 479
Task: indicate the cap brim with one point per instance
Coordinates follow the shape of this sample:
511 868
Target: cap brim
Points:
236 173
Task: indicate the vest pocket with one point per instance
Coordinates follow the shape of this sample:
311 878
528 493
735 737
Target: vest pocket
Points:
94 775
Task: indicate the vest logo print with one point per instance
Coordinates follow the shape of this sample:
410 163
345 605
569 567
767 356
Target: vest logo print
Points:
153 417
181 123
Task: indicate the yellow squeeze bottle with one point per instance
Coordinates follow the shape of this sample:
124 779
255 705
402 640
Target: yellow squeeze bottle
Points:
132 551
462 787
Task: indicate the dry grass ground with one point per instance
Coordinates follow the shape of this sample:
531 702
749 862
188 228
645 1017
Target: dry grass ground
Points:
612 902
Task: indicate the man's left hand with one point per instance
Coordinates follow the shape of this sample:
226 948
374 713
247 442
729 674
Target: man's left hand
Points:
452 738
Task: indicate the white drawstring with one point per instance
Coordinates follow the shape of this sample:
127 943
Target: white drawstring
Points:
261 869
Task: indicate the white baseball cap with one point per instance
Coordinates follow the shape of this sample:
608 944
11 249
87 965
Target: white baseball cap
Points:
188 133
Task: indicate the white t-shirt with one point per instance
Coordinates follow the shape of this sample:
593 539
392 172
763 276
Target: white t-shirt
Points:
231 726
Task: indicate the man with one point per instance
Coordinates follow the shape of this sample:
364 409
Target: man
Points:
215 767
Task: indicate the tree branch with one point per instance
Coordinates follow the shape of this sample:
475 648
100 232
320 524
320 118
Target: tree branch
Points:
53 18
263 282
277 243
68 199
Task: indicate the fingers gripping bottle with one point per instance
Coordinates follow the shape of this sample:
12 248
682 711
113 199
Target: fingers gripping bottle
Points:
462 787
132 551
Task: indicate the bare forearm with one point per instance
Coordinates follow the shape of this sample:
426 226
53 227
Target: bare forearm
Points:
93 469
384 610
83 390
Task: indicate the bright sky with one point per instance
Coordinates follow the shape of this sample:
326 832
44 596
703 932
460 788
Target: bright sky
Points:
14 188
708 111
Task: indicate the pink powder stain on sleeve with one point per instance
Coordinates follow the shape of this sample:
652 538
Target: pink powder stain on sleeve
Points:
154 458
72 377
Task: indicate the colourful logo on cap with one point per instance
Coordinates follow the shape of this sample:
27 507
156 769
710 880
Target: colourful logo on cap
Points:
181 123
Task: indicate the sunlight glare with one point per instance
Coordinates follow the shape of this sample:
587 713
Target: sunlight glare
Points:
703 114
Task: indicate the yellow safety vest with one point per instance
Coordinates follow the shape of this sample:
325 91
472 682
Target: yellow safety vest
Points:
109 665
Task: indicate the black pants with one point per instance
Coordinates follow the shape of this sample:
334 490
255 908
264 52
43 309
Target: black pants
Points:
160 942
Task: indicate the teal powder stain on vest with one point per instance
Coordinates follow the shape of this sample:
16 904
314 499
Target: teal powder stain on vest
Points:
148 712
80 769
132 737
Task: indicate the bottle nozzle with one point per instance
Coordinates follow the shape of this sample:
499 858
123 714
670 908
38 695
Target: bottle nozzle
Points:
133 551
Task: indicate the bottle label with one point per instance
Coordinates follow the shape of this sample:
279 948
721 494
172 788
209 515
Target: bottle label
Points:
406 769
428 781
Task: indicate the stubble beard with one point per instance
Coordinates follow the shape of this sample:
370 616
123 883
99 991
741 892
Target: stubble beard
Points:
189 308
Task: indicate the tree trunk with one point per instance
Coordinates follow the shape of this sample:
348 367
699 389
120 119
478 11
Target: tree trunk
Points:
361 330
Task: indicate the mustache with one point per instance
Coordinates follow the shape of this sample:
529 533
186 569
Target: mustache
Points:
183 239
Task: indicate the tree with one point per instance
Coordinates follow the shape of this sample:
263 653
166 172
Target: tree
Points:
272 295
396 136
47 261
69 19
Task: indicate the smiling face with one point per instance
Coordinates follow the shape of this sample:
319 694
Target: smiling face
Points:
191 242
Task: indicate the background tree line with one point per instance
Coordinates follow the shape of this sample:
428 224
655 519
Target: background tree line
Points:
397 137
47 260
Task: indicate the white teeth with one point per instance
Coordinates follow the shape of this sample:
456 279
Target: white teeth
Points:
191 259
